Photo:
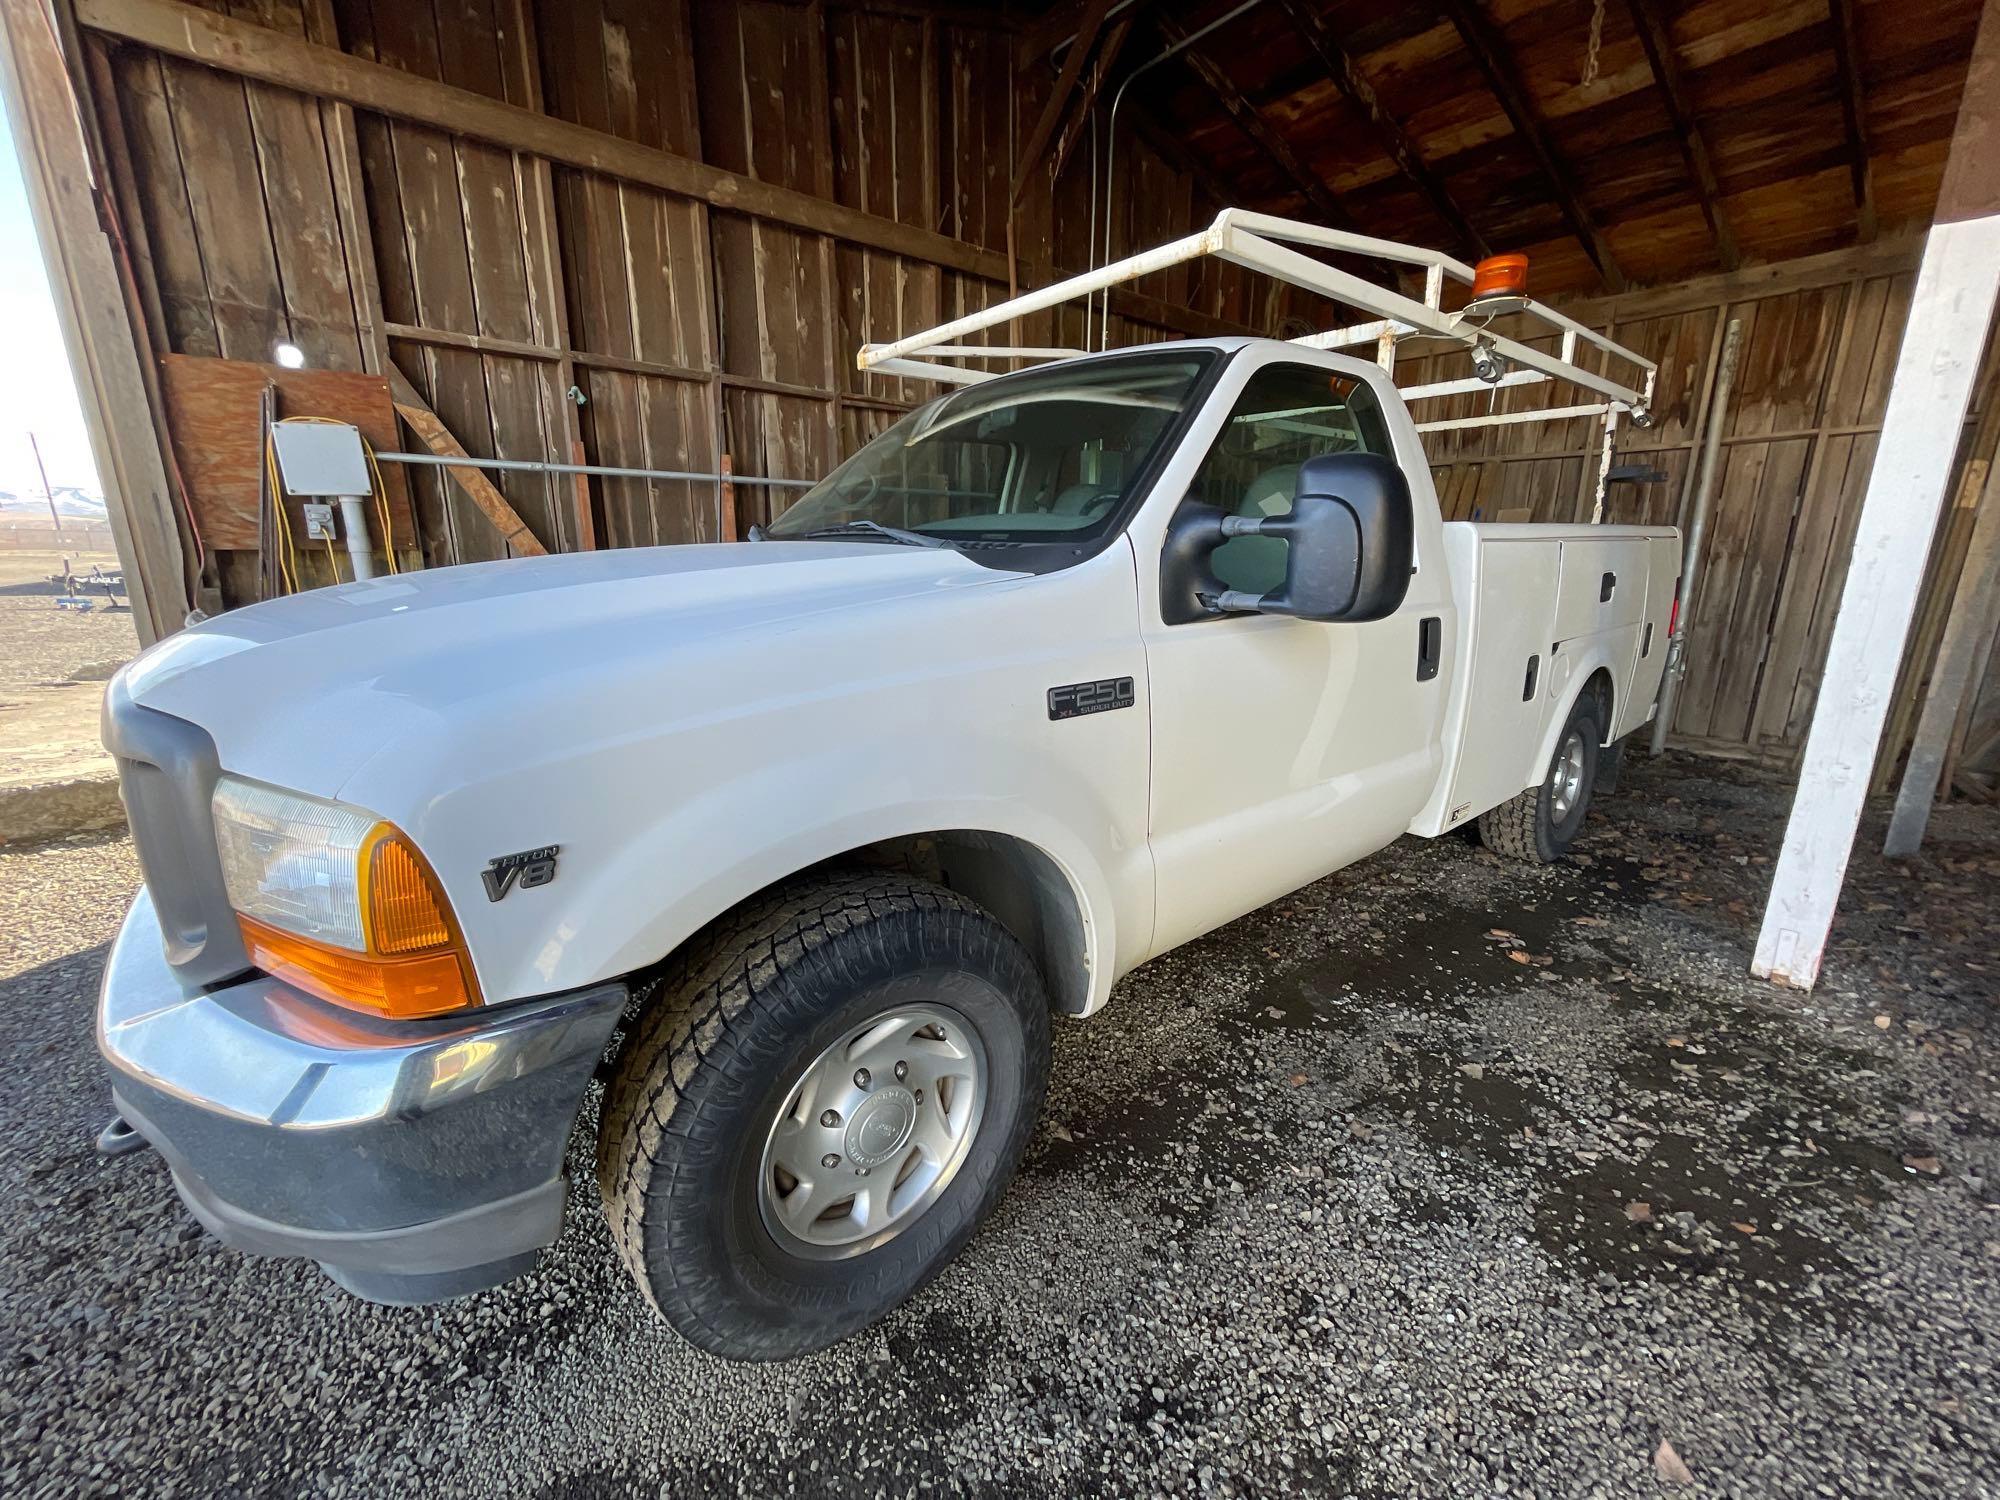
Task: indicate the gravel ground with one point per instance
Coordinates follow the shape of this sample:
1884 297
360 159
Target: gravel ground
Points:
1441 1177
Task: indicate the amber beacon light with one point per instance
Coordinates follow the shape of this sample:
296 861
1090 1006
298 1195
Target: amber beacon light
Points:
1500 276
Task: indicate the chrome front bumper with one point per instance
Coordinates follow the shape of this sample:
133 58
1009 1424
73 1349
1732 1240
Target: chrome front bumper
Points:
413 1161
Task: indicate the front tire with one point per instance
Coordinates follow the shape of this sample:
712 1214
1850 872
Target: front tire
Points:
1537 826
831 1091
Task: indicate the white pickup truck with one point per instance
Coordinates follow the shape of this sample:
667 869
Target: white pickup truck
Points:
797 842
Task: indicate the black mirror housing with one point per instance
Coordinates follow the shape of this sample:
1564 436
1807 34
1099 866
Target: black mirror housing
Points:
1352 540
1350 544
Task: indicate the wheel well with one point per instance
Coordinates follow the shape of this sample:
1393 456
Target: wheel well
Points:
1599 688
1025 890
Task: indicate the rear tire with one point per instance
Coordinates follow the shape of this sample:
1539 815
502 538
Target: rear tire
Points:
741 1095
1537 826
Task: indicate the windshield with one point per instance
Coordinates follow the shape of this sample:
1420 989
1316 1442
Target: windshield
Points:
1045 455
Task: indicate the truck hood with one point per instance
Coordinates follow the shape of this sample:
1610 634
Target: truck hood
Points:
302 691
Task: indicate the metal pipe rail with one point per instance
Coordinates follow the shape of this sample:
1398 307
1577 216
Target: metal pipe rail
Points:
1263 243
538 466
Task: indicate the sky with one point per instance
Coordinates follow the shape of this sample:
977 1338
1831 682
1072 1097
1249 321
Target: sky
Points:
36 391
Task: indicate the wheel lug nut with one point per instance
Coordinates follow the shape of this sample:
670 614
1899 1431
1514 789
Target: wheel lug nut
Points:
902 1071
860 1171
830 1160
829 1118
920 1096
861 1078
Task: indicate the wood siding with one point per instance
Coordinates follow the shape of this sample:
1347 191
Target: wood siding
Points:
557 300
536 305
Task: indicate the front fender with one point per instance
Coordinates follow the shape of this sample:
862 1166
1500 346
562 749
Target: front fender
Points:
770 823
677 784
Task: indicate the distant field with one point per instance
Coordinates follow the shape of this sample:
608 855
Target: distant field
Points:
48 720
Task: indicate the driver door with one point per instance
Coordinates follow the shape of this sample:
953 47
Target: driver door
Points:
1283 748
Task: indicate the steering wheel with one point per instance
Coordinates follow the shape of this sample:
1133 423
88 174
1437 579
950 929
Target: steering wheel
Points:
1097 505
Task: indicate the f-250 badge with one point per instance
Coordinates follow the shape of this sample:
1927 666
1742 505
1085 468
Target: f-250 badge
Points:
1090 697
528 869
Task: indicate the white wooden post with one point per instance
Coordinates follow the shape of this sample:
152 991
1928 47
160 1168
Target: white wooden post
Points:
1968 630
1949 314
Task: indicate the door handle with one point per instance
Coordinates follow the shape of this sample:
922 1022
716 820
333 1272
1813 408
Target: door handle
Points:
1430 647
1605 589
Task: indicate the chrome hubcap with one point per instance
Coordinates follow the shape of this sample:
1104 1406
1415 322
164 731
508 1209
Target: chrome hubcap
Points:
1566 777
873 1132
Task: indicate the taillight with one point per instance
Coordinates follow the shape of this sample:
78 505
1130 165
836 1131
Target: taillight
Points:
1674 617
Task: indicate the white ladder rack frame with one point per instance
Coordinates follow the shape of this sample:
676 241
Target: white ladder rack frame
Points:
1262 243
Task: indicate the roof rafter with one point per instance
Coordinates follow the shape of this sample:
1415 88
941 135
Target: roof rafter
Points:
1348 78
1087 23
1055 29
1848 65
1260 130
1658 40
1483 41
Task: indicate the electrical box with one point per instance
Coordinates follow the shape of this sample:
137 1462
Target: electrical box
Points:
319 521
321 458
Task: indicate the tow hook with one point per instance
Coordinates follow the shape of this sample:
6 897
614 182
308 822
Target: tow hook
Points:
118 1138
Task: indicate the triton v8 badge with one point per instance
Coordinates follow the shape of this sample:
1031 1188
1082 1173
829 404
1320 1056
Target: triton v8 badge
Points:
528 869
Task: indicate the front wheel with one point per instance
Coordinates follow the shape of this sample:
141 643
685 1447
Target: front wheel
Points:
1539 824
832 1090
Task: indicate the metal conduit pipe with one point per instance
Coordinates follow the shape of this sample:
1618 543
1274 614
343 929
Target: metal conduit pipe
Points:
354 527
537 466
1111 151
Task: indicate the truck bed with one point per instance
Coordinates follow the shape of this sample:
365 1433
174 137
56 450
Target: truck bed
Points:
1541 610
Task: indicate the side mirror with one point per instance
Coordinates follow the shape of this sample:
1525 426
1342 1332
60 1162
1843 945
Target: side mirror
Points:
1350 535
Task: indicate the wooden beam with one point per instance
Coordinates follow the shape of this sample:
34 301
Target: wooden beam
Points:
99 330
1950 310
1261 132
1055 29
1349 79
427 425
1107 56
1484 42
1970 628
1088 22
1853 111
1657 37
252 51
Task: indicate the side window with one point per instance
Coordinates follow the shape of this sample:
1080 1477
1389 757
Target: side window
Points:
1286 415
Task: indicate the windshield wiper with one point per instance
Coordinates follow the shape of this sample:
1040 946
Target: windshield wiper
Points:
876 528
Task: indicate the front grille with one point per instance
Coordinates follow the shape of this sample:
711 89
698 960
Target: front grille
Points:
167 771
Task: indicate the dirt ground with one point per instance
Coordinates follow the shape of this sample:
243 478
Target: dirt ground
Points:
53 665
1441 1177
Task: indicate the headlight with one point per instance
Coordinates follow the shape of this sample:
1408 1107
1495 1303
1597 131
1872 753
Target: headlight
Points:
336 901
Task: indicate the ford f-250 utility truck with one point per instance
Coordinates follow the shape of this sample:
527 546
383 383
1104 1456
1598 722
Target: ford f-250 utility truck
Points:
798 841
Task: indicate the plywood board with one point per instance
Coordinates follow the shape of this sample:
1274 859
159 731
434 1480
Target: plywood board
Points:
213 404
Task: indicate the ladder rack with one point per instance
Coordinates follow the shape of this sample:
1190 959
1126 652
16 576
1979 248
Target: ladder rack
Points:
1264 243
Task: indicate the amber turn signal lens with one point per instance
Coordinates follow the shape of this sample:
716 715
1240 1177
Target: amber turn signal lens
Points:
1500 276
400 988
416 964
400 901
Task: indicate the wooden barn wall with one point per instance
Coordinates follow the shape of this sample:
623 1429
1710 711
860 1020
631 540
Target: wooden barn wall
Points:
548 311
544 310
1818 347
